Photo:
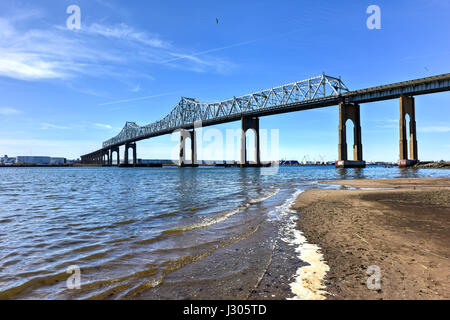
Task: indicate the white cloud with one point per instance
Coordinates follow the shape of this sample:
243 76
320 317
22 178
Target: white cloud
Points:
125 32
112 51
136 89
50 54
46 126
103 126
28 67
9 111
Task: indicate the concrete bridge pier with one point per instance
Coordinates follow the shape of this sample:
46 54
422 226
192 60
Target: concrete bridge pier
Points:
350 112
105 157
184 135
111 152
95 159
407 107
127 147
250 123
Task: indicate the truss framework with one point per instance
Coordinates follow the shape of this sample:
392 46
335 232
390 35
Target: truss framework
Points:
189 111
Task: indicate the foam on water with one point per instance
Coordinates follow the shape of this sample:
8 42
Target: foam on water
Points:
308 284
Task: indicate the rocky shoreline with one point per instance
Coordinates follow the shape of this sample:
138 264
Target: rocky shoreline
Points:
433 165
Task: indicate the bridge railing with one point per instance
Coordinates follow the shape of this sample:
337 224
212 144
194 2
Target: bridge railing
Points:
188 110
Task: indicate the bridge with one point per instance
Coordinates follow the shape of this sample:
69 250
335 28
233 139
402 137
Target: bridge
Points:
317 92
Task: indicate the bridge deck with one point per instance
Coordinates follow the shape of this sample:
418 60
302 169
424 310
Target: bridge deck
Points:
415 87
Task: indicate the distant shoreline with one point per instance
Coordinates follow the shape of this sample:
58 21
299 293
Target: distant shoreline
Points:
420 165
399 225
47 165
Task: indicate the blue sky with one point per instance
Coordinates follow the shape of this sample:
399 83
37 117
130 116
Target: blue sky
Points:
63 92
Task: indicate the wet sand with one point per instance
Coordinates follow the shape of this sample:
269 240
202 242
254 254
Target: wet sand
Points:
404 229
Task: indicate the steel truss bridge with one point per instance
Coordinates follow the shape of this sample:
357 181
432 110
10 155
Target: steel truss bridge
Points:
189 111
316 92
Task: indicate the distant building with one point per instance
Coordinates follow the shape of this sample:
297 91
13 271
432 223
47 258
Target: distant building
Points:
154 161
289 163
39 160
73 161
32 160
211 162
7 160
57 160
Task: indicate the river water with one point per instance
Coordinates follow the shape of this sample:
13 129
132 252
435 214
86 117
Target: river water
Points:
152 233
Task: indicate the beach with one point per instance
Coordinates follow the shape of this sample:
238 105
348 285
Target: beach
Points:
400 227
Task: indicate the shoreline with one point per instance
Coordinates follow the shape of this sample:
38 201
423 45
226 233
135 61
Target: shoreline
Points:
401 226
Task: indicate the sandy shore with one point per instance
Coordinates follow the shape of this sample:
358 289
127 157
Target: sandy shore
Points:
403 229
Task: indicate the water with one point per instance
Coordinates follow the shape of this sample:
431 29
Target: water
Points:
143 232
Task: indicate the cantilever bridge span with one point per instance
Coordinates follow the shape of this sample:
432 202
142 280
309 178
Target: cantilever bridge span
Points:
317 92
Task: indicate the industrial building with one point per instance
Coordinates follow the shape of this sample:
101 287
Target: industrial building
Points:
39 160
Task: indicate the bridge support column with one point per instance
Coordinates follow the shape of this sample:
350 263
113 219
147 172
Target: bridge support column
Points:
248 123
134 154
352 112
111 152
407 107
185 134
132 146
105 157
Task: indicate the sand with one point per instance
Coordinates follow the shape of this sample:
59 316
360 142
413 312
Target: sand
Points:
401 230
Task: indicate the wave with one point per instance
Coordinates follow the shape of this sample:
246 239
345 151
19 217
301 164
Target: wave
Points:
269 195
210 221
207 221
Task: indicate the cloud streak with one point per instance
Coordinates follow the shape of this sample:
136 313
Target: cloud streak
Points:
139 98
97 50
46 126
9 111
103 126
194 56
124 32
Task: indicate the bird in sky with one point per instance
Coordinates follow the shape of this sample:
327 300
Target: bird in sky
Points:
217 20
